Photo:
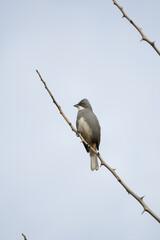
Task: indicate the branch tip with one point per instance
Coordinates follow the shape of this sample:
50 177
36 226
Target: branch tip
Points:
24 236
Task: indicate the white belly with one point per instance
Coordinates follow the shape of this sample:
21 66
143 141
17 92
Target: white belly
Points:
84 129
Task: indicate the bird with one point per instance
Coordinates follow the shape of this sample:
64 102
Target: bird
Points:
88 125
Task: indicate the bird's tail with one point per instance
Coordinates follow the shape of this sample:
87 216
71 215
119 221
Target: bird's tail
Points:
93 156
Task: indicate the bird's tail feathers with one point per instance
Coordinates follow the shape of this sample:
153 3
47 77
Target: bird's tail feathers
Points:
94 161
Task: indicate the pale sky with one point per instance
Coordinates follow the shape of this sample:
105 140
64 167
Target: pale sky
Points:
83 49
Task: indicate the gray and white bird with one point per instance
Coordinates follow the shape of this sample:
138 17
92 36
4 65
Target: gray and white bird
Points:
88 125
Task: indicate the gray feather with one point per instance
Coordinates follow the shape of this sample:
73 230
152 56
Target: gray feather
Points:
92 121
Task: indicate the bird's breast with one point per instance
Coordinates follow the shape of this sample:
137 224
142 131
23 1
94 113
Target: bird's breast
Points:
84 129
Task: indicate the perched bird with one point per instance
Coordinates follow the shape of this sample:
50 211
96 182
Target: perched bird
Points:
88 125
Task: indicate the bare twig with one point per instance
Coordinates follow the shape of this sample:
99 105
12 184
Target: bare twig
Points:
24 236
103 163
144 38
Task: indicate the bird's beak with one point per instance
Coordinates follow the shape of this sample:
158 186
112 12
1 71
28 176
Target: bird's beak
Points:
76 105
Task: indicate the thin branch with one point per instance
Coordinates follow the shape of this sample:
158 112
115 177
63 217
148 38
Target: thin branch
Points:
144 38
24 236
103 163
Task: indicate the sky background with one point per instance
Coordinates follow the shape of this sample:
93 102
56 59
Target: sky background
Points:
83 49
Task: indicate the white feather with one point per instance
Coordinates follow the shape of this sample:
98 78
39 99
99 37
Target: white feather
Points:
94 163
83 127
80 108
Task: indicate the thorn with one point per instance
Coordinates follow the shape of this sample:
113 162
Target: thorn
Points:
101 164
142 197
143 211
153 43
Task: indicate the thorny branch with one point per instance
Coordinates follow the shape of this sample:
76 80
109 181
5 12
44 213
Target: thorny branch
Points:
144 38
103 163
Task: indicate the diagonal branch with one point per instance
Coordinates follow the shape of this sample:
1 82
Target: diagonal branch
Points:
144 38
103 163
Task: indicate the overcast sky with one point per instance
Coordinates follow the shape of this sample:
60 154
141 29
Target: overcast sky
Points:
83 49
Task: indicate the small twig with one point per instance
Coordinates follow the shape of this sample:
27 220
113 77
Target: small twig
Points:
139 199
24 236
144 38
